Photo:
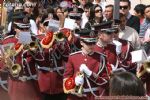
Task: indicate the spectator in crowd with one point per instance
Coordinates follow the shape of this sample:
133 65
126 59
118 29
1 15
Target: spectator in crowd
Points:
82 3
132 20
125 84
101 3
76 14
139 12
59 15
128 33
86 14
96 16
108 13
146 23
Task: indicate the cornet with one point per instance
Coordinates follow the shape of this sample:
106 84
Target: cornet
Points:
146 67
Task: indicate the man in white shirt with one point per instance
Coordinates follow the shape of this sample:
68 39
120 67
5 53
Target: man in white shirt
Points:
129 33
86 14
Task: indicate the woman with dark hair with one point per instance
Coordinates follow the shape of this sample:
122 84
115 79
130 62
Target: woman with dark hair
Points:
125 84
96 16
59 15
139 12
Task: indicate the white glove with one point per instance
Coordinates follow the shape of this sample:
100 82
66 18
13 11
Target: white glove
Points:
85 69
79 80
118 46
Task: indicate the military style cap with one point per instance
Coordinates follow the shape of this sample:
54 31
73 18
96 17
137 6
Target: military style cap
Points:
21 20
105 27
75 13
88 36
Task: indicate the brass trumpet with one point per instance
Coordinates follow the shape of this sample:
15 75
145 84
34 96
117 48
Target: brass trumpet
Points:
79 89
146 67
14 69
59 36
33 46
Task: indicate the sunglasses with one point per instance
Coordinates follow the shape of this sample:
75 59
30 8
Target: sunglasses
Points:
97 11
123 7
75 17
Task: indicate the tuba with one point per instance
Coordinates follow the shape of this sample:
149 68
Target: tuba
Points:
146 66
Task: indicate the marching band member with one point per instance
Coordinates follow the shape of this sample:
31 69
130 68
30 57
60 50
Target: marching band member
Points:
55 53
104 44
20 61
3 73
86 74
124 49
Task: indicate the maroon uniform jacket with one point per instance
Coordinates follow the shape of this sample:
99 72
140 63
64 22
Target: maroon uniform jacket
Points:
125 56
94 62
110 52
50 77
23 86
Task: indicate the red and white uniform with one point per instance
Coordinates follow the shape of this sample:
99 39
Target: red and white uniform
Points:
23 87
125 60
94 61
109 50
51 69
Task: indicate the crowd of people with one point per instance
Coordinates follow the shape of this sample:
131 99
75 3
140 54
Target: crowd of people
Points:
74 50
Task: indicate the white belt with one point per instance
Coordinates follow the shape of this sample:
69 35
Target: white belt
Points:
51 69
88 90
25 78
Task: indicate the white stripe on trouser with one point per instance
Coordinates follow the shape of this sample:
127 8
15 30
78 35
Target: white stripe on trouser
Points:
50 69
88 90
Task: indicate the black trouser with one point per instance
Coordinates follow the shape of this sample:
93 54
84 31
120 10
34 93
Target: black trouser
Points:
60 96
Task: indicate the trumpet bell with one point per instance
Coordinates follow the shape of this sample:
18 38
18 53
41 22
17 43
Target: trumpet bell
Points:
147 66
59 36
15 70
33 46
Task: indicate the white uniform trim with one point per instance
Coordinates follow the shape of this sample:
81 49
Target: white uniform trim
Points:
76 52
25 78
50 69
89 90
